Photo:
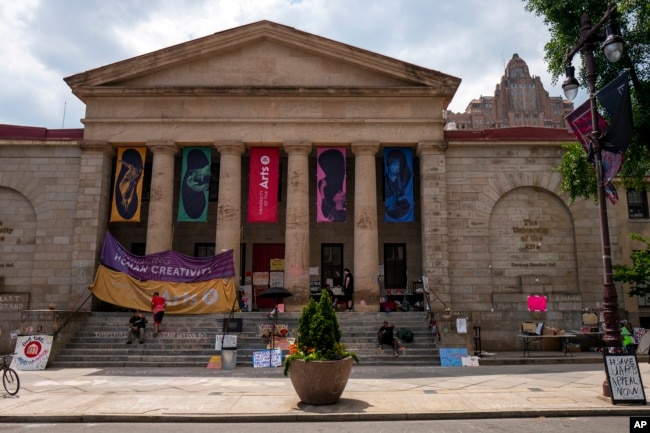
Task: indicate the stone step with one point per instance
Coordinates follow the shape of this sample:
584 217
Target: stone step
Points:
190 340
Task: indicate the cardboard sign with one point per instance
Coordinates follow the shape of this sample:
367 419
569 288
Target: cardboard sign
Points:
32 352
452 357
624 378
469 361
267 358
228 341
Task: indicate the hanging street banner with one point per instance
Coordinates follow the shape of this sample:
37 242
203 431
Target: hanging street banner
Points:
264 177
195 184
168 265
581 124
201 297
615 97
331 185
127 191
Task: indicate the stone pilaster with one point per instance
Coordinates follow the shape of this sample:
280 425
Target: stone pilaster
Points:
366 237
296 253
91 218
433 197
161 200
229 209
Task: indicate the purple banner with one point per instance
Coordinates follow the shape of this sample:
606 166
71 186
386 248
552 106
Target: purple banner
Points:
168 265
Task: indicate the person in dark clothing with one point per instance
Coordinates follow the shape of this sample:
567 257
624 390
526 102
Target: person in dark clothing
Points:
385 336
137 325
348 289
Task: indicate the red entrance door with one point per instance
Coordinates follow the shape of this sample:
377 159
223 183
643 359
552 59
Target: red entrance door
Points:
263 254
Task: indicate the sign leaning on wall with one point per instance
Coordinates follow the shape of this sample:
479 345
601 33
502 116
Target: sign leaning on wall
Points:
32 352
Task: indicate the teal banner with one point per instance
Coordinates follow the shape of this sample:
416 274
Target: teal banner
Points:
195 184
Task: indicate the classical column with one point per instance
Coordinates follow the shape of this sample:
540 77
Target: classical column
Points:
366 238
435 235
161 199
296 249
229 208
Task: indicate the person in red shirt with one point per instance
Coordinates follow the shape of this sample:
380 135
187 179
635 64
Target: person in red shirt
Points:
158 304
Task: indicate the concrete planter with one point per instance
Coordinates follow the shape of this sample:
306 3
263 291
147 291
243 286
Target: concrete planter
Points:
320 382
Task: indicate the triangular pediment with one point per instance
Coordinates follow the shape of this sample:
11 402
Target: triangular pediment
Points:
263 54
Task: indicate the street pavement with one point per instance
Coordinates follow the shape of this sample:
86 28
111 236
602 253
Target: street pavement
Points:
373 393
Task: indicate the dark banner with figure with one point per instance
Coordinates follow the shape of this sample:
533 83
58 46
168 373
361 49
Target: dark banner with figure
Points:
195 184
127 191
264 181
398 185
331 204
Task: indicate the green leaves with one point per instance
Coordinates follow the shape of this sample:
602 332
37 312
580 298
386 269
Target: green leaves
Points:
578 174
637 276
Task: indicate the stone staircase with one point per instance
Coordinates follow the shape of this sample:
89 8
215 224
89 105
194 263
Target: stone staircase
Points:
189 340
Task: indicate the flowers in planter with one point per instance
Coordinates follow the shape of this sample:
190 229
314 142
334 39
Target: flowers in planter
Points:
318 335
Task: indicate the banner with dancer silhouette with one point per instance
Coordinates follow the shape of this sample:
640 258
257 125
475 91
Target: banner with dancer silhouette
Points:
398 185
127 190
195 184
331 203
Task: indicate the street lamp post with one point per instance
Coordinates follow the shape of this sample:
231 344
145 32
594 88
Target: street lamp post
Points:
612 45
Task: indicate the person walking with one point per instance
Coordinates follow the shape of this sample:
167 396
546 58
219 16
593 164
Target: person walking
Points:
348 289
137 325
158 305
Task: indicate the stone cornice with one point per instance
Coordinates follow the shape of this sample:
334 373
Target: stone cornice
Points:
431 147
97 146
210 91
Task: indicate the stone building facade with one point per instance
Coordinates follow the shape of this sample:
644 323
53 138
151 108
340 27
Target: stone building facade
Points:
518 100
492 226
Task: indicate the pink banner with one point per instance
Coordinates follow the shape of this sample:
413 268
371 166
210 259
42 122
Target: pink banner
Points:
264 176
330 185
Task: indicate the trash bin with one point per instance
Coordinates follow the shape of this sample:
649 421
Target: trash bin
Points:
228 358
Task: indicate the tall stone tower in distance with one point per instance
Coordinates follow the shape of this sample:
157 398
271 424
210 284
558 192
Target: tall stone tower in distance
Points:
519 100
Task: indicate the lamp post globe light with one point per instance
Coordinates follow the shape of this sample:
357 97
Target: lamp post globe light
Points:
612 46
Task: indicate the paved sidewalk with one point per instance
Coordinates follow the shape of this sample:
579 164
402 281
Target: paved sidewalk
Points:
265 395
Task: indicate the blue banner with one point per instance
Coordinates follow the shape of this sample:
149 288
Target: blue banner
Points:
398 185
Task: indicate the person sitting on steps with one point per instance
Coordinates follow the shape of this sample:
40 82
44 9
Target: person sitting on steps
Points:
385 336
137 325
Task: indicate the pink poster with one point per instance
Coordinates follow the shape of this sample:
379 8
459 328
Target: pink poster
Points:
536 303
330 185
264 176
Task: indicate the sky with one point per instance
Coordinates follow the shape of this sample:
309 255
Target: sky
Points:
44 41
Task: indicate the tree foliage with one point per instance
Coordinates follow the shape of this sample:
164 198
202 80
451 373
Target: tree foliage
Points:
633 19
638 275
578 174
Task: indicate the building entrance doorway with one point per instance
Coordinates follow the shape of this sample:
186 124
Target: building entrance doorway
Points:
268 271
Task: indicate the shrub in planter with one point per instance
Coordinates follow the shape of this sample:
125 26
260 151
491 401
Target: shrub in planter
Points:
317 376
318 335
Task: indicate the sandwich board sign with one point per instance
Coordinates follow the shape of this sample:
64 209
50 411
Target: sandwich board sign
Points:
624 378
